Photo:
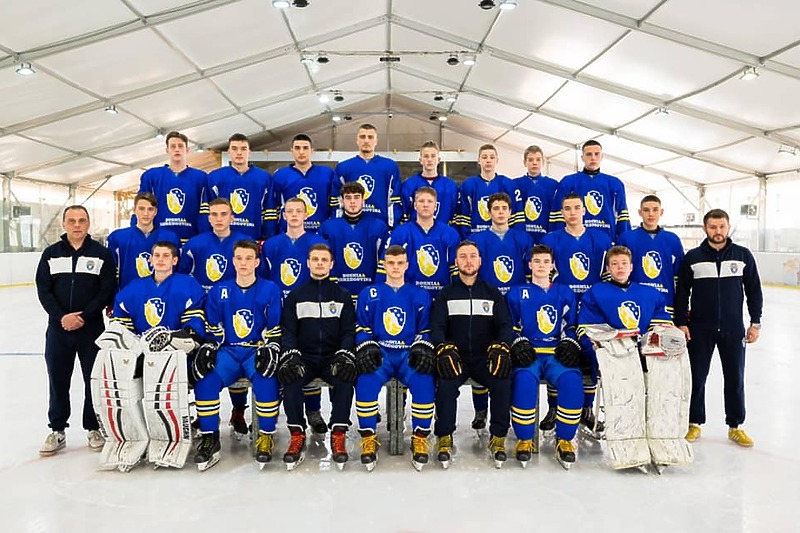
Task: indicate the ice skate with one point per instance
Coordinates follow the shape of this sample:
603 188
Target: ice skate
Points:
548 423
338 446
297 449
54 442
497 447
445 446
523 451
369 449
238 425
479 422
565 453
316 422
207 454
591 427
419 449
264 445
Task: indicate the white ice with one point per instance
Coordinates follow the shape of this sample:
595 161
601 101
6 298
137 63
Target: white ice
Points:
727 489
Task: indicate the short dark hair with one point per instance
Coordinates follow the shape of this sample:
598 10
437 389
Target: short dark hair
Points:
467 242
426 190
590 142
571 196
539 249
320 247
532 149
487 147
716 213
74 206
177 135
247 244
295 200
148 197
396 249
220 200
368 126
498 197
239 137
352 187
618 250
650 198
302 137
166 244
429 144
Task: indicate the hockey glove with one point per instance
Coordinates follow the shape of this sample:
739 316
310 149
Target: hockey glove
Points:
267 357
156 339
448 362
343 366
422 358
290 367
568 352
523 354
185 340
204 360
498 360
369 357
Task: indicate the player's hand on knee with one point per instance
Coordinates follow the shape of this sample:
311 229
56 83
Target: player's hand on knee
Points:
369 357
343 366
568 352
290 367
267 357
448 361
422 357
523 354
498 360
204 360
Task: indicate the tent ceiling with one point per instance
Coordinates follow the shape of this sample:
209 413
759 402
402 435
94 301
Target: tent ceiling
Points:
552 72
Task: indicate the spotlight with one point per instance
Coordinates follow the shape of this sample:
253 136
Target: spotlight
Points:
111 110
434 116
300 3
748 74
788 150
336 118
337 96
280 4
25 69
484 4
438 97
442 118
452 60
348 117
306 60
323 59
508 5
324 99
469 61
160 135
200 149
451 98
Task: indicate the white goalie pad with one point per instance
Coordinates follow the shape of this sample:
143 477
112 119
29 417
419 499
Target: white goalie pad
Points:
117 400
669 388
623 390
166 405
118 337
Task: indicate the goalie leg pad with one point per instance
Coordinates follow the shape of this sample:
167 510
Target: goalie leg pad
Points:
624 399
166 405
117 399
669 388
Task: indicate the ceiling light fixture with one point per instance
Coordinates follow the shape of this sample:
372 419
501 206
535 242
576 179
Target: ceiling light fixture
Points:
348 117
306 60
749 73
442 118
486 4
323 59
337 96
160 135
25 69
469 61
788 150
336 118
662 111
111 110
300 3
452 60
200 149
438 97
508 5
451 98
324 98
280 4
434 115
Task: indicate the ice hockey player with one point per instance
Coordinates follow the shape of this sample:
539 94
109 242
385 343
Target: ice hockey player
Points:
535 194
446 189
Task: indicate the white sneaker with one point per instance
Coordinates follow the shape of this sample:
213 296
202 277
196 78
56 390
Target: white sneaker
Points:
96 440
54 442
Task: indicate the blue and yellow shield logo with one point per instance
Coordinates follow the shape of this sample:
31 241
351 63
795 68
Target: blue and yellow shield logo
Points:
652 264
533 208
243 321
579 265
368 182
428 260
290 271
503 268
239 200
175 200
394 319
546 318
309 196
216 265
154 311
353 255
594 202
629 313
143 266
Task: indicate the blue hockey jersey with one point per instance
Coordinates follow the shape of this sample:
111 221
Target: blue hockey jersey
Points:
315 188
542 315
392 318
534 198
446 197
380 177
504 262
175 303
285 262
252 197
131 250
657 255
473 207
179 197
244 317
356 250
580 261
208 258
604 198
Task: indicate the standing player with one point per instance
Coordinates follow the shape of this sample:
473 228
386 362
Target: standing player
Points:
471 329
602 194
392 335
74 283
446 189
657 253
249 190
178 188
380 177
243 317
311 183
318 337
473 196
131 246
534 195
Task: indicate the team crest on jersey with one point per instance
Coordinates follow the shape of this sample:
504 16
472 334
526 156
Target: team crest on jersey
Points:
533 208
154 311
353 255
309 196
485 306
629 313
652 264
579 265
215 267
239 200
368 182
503 268
290 271
546 318
428 259
90 264
175 200
394 319
143 267
594 202
243 321
483 208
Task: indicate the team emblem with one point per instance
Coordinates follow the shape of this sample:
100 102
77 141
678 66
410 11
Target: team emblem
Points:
503 268
734 268
652 264
546 318
594 202
215 267
394 319
309 196
290 271
629 313
239 200
332 309
428 259
90 264
533 208
579 265
368 182
143 266
243 321
483 208
175 200
485 306
353 255
154 311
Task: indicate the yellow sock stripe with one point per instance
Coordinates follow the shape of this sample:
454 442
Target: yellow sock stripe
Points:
316 391
422 410
589 389
520 411
367 409
524 421
479 390
568 416
207 407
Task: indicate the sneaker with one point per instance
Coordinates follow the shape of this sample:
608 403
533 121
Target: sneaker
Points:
238 424
264 445
497 447
523 451
338 446
316 422
741 438
694 433
297 449
96 440
419 449
445 446
548 423
207 454
54 442
369 449
565 453
479 422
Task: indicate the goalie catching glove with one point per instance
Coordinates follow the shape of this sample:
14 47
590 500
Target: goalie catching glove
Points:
343 366
204 360
369 357
523 354
498 360
448 362
422 358
290 367
267 358
568 352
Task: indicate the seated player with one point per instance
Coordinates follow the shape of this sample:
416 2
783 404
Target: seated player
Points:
243 317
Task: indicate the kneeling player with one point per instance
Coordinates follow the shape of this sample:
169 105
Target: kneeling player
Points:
392 332
243 316
541 312
167 310
646 413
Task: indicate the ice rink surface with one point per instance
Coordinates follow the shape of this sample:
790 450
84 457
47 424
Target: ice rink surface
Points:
728 489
